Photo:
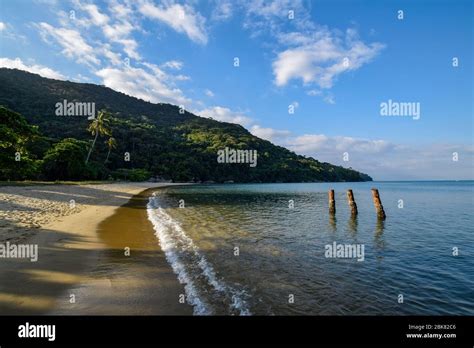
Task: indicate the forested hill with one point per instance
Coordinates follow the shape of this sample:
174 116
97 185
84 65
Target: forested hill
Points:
161 141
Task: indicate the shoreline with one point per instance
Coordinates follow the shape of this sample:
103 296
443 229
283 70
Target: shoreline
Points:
131 275
69 243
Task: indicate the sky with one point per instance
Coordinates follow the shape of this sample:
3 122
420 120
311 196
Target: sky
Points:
307 75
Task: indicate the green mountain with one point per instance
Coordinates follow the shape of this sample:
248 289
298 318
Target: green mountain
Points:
159 139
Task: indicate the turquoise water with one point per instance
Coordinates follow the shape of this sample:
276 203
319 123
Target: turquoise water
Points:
240 249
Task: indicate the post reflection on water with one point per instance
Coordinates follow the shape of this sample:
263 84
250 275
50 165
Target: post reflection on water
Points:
379 240
353 224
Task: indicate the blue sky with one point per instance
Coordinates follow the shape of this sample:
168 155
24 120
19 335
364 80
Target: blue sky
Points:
335 62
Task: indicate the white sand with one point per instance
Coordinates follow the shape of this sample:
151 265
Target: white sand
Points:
23 209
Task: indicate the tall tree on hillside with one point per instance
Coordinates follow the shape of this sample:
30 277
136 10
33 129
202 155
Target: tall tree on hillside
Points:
111 144
99 126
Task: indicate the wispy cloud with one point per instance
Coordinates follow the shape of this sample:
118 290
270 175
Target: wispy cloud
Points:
182 18
117 27
78 40
223 10
96 16
173 64
273 16
7 31
148 85
209 93
73 44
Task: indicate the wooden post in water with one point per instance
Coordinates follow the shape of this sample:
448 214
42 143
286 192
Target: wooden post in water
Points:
352 203
332 202
378 204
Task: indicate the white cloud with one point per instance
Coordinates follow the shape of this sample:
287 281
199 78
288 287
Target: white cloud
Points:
74 46
388 161
381 159
313 92
118 31
223 114
181 18
150 86
106 51
329 99
163 75
120 10
181 77
270 9
173 64
272 16
7 31
117 28
270 134
159 73
209 93
223 10
96 16
311 53
322 143
321 57
148 81
130 47
44 71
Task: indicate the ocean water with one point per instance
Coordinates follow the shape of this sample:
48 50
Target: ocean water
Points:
241 250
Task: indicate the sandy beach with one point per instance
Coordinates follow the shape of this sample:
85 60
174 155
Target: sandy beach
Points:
83 234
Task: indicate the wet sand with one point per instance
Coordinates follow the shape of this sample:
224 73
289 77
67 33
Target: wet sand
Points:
131 276
80 253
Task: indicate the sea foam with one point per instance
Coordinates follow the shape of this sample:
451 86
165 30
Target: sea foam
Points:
190 266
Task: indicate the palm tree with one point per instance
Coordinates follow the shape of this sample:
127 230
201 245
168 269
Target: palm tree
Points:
99 126
111 144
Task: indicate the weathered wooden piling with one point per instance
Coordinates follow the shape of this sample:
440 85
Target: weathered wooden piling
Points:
332 202
378 204
352 203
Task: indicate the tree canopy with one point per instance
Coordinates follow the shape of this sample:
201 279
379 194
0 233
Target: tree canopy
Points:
155 139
